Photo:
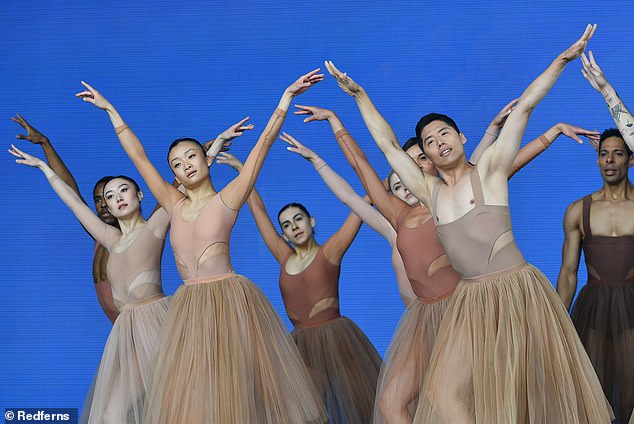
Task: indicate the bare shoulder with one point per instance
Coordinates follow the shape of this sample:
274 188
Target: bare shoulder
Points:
573 216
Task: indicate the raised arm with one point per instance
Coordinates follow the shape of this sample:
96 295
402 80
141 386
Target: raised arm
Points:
497 161
276 244
223 141
102 232
340 187
570 254
492 131
387 204
237 191
544 141
622 117
54 161
419 184
163 191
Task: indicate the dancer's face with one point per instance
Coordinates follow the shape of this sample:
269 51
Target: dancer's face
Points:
400 191
613 160
297 228
443 144
122 198
421 159
189 164
101 206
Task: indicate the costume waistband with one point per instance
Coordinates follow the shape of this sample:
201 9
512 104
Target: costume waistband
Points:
316 323
208 278
595 282
153 298
436 299
496 274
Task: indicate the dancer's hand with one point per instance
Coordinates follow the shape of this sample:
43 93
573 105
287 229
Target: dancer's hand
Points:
315 113
345 82
229 159
579 46
236 130
575 133
500 118
26 159
593 73
32 135
91 95
299 148
304 82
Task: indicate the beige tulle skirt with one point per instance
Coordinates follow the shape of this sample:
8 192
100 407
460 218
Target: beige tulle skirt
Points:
407 360
225 357
344 365
118 390
507 352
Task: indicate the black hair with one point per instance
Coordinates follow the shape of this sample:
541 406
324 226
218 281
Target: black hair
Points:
412 141
293 205
429 118
102 180
183 140
613 132
123 177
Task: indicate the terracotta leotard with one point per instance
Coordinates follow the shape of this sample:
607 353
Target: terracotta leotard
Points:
609 260
481 241
311 297
426 263
201 246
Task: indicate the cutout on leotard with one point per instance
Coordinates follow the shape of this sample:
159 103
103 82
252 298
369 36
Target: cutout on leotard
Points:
218 248
179 262
593 273
291 315
322 305
501 242
630 274
437 264
145 277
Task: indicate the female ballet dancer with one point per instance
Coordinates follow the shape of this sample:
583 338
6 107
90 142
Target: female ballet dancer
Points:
134 272
343 362
506 350
224 355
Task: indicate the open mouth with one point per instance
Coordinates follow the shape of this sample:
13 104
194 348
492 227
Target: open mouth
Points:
191 174
122 206
445 152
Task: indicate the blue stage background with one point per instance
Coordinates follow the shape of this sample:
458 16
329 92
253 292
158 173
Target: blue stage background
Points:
178 69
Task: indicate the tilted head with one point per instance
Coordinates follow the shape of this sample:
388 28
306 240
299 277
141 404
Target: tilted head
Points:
100 202
296 223
123 196
399 190
188 161
615 157
440 139
414 151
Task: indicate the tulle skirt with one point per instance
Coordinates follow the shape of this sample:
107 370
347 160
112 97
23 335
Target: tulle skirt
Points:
118 390
225 357
344 365
507 352
407 360
604 317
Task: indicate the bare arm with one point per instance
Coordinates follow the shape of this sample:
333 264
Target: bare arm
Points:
338 243
342 189
414 179
237 191
492 132
570 255
102 285
498 159
163 191
544 141
622 117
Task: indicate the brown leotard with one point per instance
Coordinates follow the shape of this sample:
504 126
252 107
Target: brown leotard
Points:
609 260
481 241
311 297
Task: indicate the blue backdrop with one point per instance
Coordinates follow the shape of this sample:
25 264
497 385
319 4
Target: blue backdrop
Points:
178 69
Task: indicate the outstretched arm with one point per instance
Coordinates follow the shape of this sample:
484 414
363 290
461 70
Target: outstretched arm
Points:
571 254
540 144
237 191
54 161
622 117
100 231
163 191
276 244
498 160
414 179
342 189
389 205
493 130
223 141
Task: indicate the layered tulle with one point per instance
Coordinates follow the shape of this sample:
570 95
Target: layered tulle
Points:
225 357
344 366
507 352
118 391
407 359
604 317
